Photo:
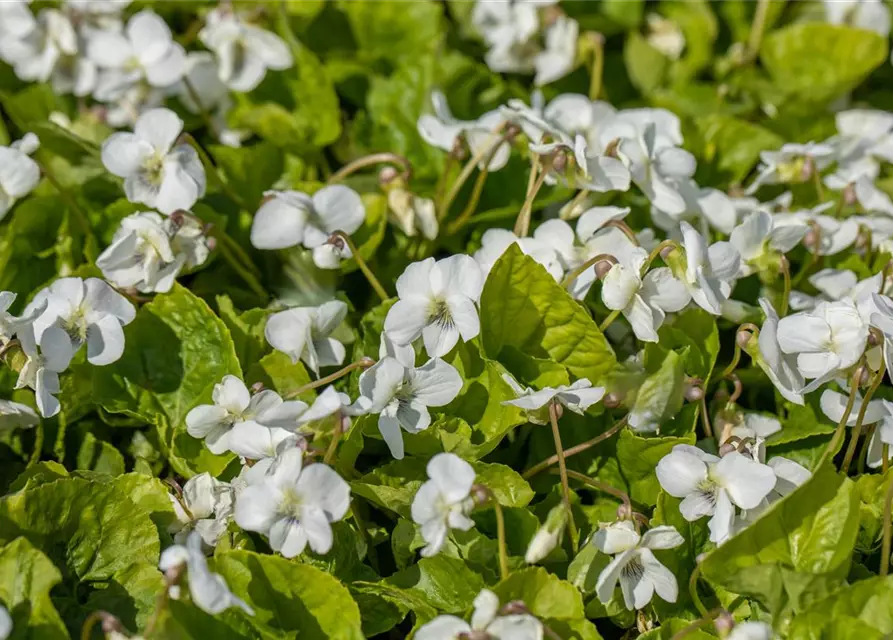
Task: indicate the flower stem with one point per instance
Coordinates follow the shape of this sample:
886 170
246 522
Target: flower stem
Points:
655 253
838 433
467 170
629 233
202 111
885 457
700 623
500 536
693 590
813 253
38 444
863 450
237 259
562 470
608 320
361 263
583 446
213 171
576 273
888 526
441 181
476 191
705 417
601 486
757 28
371 160
786 295
857 428
362 363
522 224
567 212
598 64
336 436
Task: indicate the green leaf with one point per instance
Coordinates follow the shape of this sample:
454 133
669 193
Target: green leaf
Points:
26 578
800 548
734 145
98 455
177 350
290 598
25 263
698 24
393 30
801 421
523 307
634 464
661 394
91 528
250 170
246 329
819 62
864 606
546 595
444 583
277 371
696 329
646 66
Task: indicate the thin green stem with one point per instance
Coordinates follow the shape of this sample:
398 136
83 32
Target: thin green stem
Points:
885 457
567 212
500 536
202 110
601 486
598 65
362 363
213 171
38 444
655 253
757 28
361 263
705 417
442 180
236 258
700 623
817 181
371 160
483 152
583 446
625 228
562 469
89 623
608 320
888 527
576 273
522 224
857 428
336 437
693 591
470 208
863 450
786 294
730 369
838 433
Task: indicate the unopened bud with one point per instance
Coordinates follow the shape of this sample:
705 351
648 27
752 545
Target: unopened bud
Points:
874 337
511 131
612 400
515 607
547 536
257 387
365 362
387 174
336 241
693 391
602 267
559 161
110 624
742 338
724 624
212 243
849 195
666 251
726 448
810 240
808 169
178 217
863 376
624 512
480 495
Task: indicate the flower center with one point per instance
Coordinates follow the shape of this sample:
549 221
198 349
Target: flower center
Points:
290 504
439 314
75 324
153 168
634 569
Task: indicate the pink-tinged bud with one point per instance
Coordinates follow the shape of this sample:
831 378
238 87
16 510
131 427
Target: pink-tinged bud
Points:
810 240
559 161
480 495
365 362
336 241
849 195
612 400
624 512
693 391
875 337
559 410
602 268
257 387
511 131
724 624
110 624
387 174
808 169
178 217
726 448
742 338
515 607
666 251
863 375
212 243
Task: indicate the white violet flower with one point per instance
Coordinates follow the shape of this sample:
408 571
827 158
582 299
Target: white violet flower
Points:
444 501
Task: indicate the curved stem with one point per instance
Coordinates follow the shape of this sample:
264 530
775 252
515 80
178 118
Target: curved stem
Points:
730 369
656 252
361 263
813 254
598 64
863 450
700 623
562 470
89 623
38 444
500 536
757 28
336 437
522 224
888 527
693 591
476 191
441 181
202 111
10 344
838 433
583 446
469 167
705 417
601 486
786 295
857 428
611 317
629 233
576 273
369 161
739 388
362 363
567 212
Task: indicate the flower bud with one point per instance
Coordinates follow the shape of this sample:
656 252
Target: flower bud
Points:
515 607
559 161
212 243
693 390
178 217
849 195
742 338
807 169
612 400
726 448
257 387
875 337
387 175
110 624
547 536
724 624
666 251
480 495
511 131
624 512
810 240
602 267
862 375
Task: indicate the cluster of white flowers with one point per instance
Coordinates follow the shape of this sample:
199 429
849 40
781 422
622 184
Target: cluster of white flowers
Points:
87 48
487 621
